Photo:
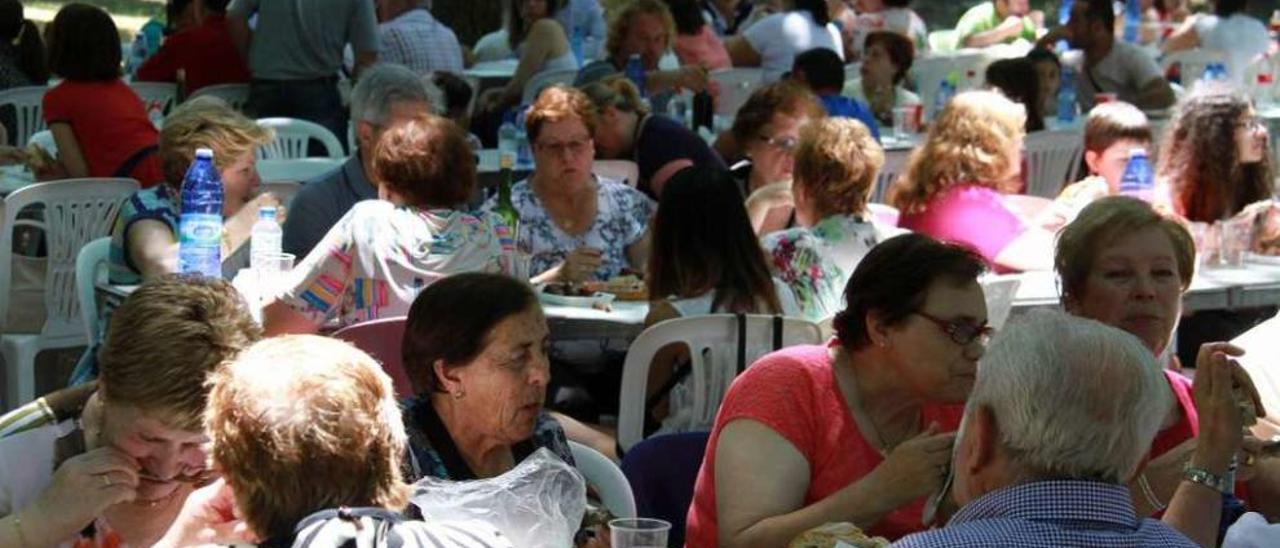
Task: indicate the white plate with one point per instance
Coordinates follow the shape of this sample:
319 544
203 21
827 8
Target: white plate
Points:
597 300
1262 259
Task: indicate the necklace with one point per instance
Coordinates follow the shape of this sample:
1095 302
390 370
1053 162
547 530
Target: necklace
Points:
849 386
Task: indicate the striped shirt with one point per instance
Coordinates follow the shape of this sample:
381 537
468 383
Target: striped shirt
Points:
1050 513
417 40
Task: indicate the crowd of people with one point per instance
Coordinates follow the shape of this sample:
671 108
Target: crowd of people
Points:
192 423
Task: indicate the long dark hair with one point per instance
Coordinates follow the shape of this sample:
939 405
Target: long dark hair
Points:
703 241
14 26
1016 79
687 15
517 27
816 8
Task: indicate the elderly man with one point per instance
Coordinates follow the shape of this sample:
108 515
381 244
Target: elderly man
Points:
1105 65
644 28
1062 413
385 95
410 36
998 21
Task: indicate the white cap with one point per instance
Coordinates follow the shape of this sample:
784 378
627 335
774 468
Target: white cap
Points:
204 153
1137 151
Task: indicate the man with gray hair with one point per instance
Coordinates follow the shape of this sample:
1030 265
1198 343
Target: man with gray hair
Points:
1062 414
385 94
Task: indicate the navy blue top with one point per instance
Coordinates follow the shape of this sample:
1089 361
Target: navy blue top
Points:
663 140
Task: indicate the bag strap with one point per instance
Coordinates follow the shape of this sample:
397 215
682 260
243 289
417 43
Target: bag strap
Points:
131 163
742 342
777 332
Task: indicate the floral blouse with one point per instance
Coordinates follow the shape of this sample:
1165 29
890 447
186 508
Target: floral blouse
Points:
816 262
376 259
622 217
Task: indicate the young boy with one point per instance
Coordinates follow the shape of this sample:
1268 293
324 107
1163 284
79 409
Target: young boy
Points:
1110 132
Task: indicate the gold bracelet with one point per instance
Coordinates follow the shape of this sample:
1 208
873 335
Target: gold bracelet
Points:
1149 494
17 528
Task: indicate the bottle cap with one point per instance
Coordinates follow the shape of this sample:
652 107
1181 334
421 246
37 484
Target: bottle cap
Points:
1137 151
267 212
204 153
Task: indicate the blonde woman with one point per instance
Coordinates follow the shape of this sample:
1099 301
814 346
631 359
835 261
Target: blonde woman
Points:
957 185
144 240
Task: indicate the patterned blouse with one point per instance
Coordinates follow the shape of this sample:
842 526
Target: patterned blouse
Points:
816 262
376 259
622 217
433 454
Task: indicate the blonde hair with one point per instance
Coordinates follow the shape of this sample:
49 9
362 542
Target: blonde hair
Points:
968 143
620 25
166 338
836 163
206 122
304 423
617 92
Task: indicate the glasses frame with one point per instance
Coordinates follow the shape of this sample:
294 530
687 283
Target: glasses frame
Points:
961 332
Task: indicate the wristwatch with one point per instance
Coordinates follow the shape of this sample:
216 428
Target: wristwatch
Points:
1205 478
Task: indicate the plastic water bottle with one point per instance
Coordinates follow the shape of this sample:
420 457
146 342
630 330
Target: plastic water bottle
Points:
1137 180
507 139
1067 96
137 53
946 90
524 153
1132 20
635 73
678 109
576 42
266 238
200 225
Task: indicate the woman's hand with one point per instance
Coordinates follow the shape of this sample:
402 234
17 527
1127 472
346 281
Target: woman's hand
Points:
916 467
767 198
580 264
1220 385
81 489
239 225
209 516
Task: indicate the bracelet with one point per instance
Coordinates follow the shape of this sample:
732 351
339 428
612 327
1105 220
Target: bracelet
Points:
1149 494
17 529
1203 477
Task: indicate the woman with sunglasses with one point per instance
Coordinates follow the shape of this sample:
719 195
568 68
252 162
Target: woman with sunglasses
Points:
858 430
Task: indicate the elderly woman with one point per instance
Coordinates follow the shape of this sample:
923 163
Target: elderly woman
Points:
144 239
852 431
773 42
475 349
577 226
886 61
836 163
1126 265
377 258
659 145
116 471
956 186
540 41
271 461
762 142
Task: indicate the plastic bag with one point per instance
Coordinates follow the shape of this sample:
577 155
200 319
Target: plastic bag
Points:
540 502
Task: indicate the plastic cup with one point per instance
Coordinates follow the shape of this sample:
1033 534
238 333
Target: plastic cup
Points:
638 533
1206 245
272 269
1235 241
904 121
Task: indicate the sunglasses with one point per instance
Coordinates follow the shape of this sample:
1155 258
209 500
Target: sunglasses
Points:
962 332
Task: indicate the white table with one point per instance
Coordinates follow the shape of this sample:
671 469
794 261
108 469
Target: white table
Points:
624 321
494 70
1213 288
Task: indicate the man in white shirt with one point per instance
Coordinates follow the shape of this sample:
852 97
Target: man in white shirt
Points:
1105 65
410 36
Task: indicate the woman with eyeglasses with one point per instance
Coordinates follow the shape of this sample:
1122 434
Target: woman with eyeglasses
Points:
659 145
761 147
858 430
575 225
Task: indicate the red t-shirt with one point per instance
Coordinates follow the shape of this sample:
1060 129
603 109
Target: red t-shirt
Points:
110 125
205 53
794 392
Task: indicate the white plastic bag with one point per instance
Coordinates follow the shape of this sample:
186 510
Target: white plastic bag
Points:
538 503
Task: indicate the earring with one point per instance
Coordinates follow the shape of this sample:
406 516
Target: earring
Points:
458 394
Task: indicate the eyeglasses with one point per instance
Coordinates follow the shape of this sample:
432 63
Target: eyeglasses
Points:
962 332
574 147
784 144
1252 123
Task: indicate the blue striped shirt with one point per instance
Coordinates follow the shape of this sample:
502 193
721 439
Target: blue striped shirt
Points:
1050 513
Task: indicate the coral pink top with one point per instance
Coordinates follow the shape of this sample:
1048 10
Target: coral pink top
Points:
704 48
794 393
968 214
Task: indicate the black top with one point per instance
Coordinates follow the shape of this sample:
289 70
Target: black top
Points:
661 140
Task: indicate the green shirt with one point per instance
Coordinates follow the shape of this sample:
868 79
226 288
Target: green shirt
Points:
982 18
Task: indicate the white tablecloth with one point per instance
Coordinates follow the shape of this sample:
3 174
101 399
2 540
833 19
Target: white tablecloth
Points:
1213 288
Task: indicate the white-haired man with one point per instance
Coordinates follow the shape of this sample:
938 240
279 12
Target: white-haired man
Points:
1061 415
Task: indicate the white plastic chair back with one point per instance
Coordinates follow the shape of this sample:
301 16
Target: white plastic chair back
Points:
736 86
89 272
474 83
885 214
235 95
942 41
44 139
158 98
623 171
492 47
1053 159
607 478
297 170
543 80
76 212
895 164
713 353
28 104
293 135
1192 63
999 292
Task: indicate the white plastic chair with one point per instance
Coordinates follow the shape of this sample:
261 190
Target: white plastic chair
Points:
623 171
235 95
157 97
543 80
474 83
76 212
713 352
90 263
942 41
885 214
492 47
1192 63
28 103
1053 159
604 474
296 170
999 292
895 164
292 136
736 86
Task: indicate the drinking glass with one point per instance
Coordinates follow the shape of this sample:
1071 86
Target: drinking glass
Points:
904 122
638 533
1235 241
273 267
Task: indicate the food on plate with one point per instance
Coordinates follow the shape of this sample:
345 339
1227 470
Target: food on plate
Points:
832 534
569 289
629 287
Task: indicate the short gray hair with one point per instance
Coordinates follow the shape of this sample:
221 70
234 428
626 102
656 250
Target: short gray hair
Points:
382 85
1073 398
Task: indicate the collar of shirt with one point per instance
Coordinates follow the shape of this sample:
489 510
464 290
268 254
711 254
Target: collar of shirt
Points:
415 16
1076 501
356 179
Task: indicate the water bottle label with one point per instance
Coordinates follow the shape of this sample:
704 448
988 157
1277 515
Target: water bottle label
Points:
200 228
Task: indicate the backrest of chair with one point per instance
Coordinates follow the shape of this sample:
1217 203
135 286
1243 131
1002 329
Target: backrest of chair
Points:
543 80
662 471
1053 159
296 170
1191 64
76 211
292 137
895 165
942 41
623 171
607 478
235 95
474 83
89 272
886 214
158 98
28 104
999 292
381 338
713 351
736 86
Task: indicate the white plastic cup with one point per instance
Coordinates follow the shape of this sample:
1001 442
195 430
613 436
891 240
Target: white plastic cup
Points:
638 533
